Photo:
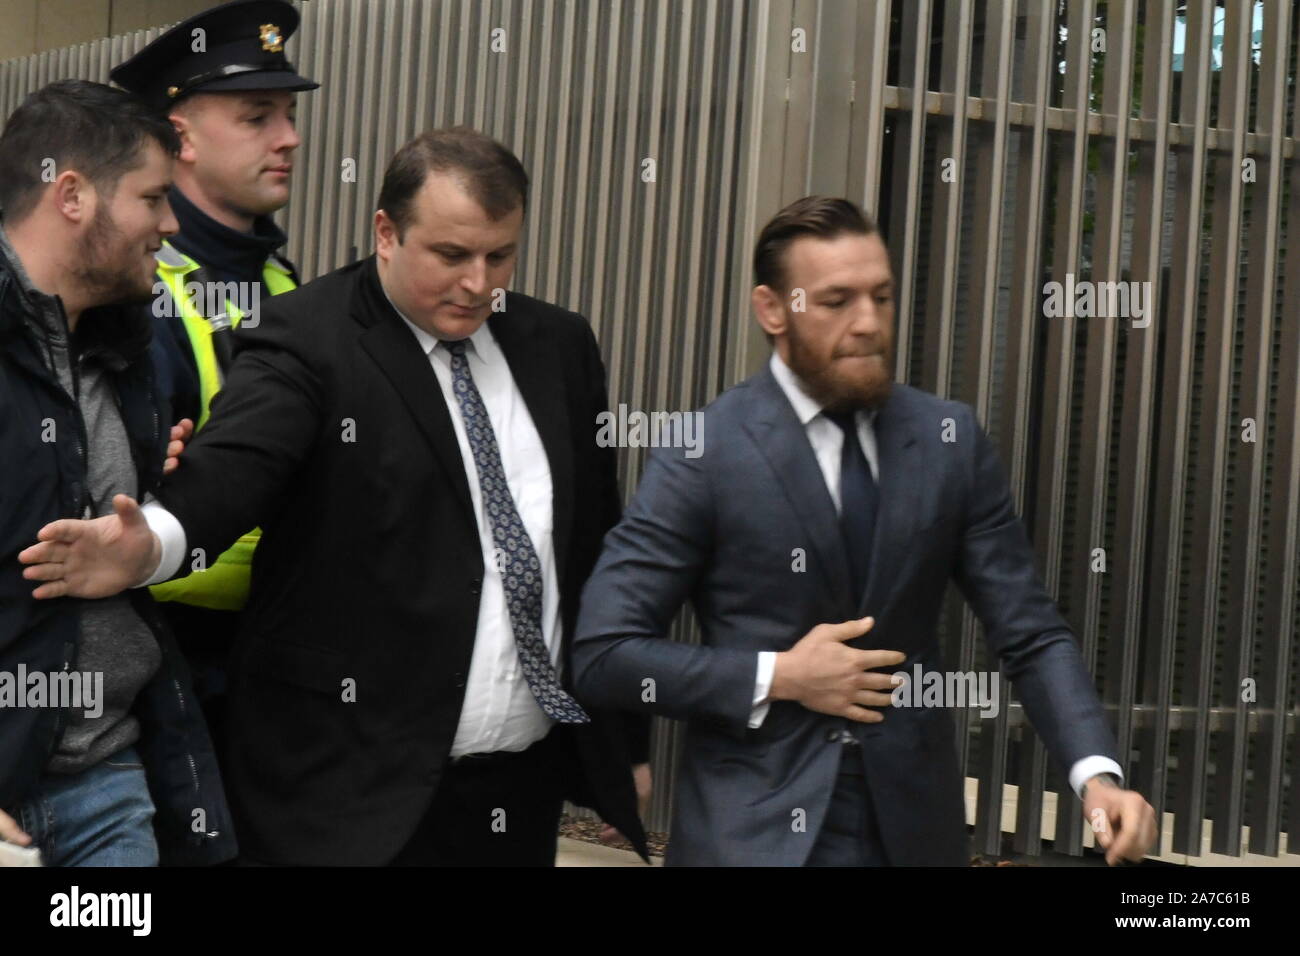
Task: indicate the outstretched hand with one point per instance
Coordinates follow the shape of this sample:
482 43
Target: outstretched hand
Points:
96 558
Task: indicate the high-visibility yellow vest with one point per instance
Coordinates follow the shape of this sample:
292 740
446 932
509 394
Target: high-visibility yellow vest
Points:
221 585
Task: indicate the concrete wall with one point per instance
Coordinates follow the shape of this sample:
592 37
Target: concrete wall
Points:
31 26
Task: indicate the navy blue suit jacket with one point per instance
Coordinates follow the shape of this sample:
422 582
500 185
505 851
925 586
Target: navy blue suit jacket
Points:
725 529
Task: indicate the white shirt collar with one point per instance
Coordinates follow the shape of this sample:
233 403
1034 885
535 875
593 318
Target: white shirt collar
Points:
480 342
806 408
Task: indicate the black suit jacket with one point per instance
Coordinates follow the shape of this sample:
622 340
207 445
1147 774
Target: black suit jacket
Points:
333 436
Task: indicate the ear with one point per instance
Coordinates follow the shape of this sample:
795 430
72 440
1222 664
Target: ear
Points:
385 235
74 196
183 123
770 309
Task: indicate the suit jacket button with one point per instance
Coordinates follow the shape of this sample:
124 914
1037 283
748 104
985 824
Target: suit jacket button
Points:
475 586
460 679
833 735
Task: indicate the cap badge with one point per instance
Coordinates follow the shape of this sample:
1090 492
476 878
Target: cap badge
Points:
272 40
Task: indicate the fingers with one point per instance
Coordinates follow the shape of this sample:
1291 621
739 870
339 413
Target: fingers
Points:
1136 831
128 511
11 831
871 698
182 430
848 629
67 530
868 660
53 589
46 552
874 680
52 571
862 715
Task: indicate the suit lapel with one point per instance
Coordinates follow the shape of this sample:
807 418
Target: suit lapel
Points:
898 465
783 441
538 374
399 356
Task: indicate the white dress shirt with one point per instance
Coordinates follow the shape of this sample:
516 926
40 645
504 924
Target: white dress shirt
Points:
827 441
499 711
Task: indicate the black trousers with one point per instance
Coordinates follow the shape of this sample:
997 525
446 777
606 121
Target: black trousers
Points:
500 809
849 836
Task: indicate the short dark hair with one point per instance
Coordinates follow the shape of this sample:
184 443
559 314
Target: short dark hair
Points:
95 129
492 174
821 216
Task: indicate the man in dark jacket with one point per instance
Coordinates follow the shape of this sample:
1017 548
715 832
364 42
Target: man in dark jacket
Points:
100 742
427 470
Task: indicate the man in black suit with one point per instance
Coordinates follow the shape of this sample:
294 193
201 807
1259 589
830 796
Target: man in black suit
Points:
419 449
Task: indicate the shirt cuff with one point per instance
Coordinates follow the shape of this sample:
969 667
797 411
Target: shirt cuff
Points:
1088 767
172 538
762 687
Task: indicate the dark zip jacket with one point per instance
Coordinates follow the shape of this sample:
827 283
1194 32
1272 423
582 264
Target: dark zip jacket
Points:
42 480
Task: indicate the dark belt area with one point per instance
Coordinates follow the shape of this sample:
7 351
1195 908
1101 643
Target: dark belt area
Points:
496 758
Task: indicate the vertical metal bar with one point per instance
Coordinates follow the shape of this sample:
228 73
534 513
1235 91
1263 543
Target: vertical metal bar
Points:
324 144
1203 608
1055 461
1176 376
909 156
1022 321
831 118
1282 528
764 113
557 151
988 148
866 108
695 343
1091 503
1247 458
650 197
1137 425
612 29
945 229
674 324
796 143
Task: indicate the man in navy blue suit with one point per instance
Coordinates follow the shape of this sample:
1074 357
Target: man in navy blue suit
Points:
824 493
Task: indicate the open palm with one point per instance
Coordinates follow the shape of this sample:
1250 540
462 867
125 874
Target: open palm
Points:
95 558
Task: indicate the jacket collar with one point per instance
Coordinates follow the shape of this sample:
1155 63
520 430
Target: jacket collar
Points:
782 439
535 365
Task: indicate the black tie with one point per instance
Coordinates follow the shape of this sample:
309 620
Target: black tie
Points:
857 503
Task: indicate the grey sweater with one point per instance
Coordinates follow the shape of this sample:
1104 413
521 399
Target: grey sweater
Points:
114 640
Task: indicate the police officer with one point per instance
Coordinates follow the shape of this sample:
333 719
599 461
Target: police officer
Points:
224 81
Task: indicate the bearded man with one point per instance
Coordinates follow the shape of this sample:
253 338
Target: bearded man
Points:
816 533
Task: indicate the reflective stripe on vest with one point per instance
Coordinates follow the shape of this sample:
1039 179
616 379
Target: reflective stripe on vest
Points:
223 586
173 267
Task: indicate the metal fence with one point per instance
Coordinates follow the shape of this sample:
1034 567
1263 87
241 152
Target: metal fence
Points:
1003 145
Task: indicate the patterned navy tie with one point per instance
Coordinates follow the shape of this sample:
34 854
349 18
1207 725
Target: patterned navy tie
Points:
521 574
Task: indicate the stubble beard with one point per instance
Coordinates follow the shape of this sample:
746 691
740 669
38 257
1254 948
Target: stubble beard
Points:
109 274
